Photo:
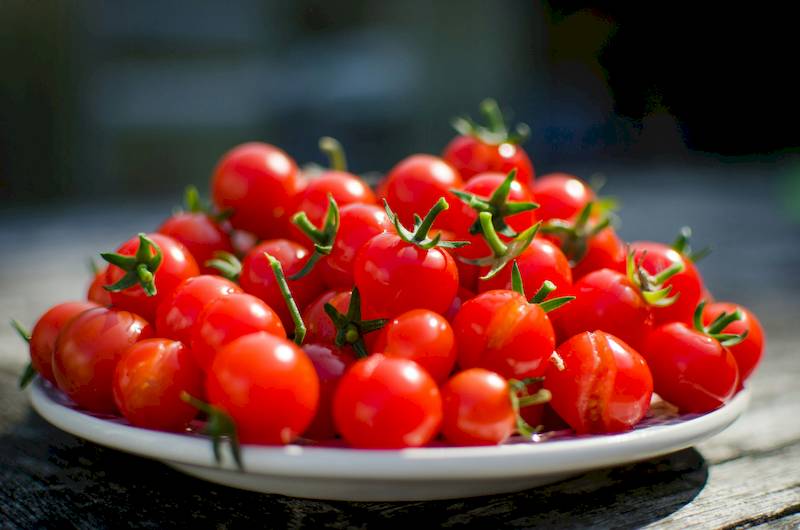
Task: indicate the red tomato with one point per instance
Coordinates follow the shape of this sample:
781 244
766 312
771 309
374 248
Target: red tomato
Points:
259 182
177 314
541 261
395 276
462 296
387 403
267 385
502 332
692 371
422 336
560 196
177 264
200 234
148 382
605 385
603 251
686 285
96 292
319 326
747 353
477 408
472 156
606 300
415 184
45 333
226 319
358 223
87 353
258 279
330 363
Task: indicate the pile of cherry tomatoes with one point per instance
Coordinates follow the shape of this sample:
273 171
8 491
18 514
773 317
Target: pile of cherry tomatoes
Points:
462 301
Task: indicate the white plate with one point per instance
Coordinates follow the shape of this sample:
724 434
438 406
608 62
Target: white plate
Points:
410 474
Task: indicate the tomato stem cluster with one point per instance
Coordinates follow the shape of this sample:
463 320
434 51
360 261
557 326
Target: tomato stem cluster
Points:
502 252
219 426
419 237
495 131
546 288
520 397
323 238
714 329
227 264
350 328
139 268
684 247
575 235
650 286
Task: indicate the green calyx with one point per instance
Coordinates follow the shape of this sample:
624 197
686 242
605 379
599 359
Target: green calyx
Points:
140 269
520 397
650 286
497 205
29 372
419 236
350 328
546 288
194 204
299 325
714 329
220 427
226 264
323 238
495 131
574 236
335 153
683 246
503 252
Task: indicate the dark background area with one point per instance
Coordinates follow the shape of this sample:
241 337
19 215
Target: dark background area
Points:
143 97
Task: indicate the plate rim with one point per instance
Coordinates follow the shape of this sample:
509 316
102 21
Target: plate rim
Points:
510 460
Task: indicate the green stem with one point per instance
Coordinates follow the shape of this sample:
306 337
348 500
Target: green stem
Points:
494 117
490 235
299 325
27 376
21 330
301 221
421 232
722 321
546 288
516 280
668 273
219 425
335 151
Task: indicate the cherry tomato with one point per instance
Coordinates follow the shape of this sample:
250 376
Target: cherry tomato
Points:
422 336
686 285
692 371
395 276
258 182
541 261
177 314
258 279
477 408
96 292
605 385
148 382
200 234
560 196
471 156
177 264
267 385
606 300
319 326
227 318
747 353
330 363
87 353
415 184
387 403
502 332
45 333
358 223
604 251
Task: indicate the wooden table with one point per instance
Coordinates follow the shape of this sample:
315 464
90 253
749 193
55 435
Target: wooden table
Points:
747 476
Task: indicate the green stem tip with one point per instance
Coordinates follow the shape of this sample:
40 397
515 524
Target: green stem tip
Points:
291 305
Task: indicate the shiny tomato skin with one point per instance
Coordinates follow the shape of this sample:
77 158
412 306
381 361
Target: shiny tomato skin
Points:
603 251
259 183
605 386
692 371
686 285
747 353
87 353
200 234
560 196
358 223
267 385
330 363
44 334
541 261
387 403
605 300
319 326
394 276
177 314
415 184
422 336
477 408
258 279
96 293
500 331
148 382
227 318
177 265
471 156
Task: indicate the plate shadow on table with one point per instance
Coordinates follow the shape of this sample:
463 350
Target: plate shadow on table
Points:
54 480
